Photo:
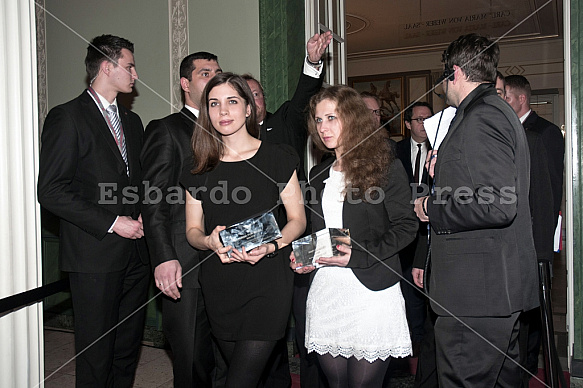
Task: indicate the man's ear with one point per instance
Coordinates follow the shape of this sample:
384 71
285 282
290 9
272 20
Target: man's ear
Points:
408 125
105 67
185 84
457 73
522 99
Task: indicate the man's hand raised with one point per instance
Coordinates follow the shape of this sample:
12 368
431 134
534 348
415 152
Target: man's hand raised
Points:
317 45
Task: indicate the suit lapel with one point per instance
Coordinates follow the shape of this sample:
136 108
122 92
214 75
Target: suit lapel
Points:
530 120
97 123
263 131
450 133
189 119
407 160
133 145
317 215
477 94
452 128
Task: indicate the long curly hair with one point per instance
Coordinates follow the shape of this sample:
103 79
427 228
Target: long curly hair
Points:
366 152
206 142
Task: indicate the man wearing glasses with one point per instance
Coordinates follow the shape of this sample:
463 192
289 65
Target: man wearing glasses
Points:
414 148
373 103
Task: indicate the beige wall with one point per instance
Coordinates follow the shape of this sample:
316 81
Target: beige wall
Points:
144 22
229 28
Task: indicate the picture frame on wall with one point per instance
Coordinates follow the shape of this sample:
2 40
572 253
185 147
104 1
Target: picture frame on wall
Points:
396 92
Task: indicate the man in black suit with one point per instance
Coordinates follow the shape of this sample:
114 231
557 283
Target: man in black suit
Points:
547 149
412 151
288 126
89 177
166 148
518 96
483 261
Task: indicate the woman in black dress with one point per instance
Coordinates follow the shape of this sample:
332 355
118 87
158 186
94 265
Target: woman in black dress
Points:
234 176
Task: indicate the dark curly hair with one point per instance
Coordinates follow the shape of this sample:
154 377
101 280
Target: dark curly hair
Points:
367 154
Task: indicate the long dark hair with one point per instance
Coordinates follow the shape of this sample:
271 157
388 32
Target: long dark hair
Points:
367 154
207 144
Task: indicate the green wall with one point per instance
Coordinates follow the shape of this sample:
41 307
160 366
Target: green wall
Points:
282 44
575 153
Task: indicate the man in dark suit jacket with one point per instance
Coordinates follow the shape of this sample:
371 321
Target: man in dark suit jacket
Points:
518 96
411 150
90 177
420 324
288 126
167 147
547 149
483 262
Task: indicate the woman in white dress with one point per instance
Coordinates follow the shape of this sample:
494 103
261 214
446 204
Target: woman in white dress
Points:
355 313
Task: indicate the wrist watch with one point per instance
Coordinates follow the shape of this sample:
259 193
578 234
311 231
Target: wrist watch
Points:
272 254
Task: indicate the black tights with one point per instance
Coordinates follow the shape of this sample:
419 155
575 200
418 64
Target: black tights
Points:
245 360
350 373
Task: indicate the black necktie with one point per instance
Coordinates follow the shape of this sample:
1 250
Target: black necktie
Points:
417 165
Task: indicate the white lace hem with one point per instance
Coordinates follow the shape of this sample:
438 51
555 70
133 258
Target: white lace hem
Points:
359 354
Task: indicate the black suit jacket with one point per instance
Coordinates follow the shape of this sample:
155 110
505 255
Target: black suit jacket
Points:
416 252
541 198
403 149
483 261
83 180
167 147
552 140
288 124
378 230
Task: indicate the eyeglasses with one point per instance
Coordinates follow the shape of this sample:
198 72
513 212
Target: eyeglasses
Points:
376 112
420 120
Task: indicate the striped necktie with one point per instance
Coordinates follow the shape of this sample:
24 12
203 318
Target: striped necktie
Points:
119 138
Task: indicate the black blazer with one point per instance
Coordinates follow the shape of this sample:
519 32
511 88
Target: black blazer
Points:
166 149
288 124
541 198
403 149
552 140
83 180
378 231
483 261
416 252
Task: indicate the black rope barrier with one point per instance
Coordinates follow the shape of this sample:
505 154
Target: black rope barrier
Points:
16 301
